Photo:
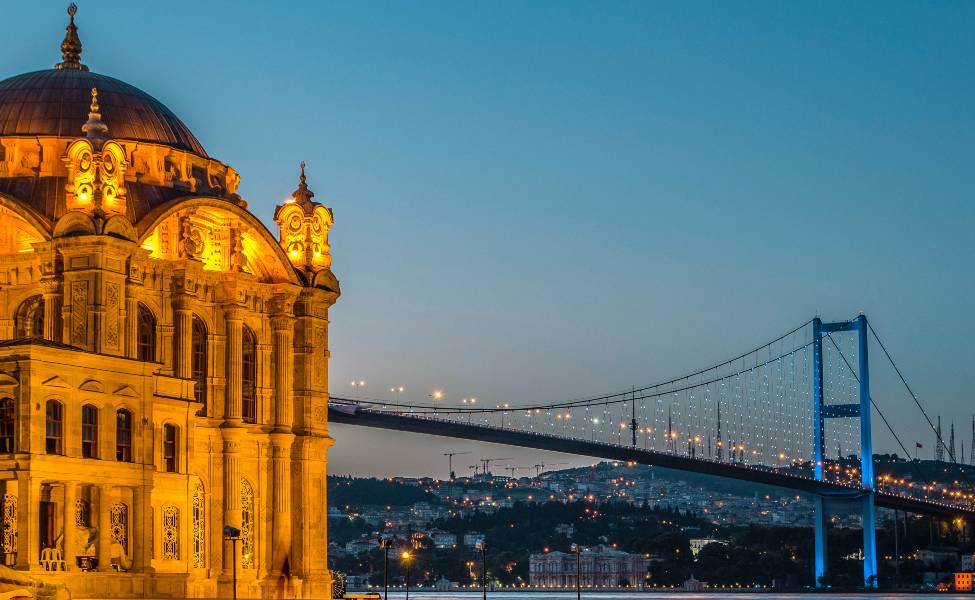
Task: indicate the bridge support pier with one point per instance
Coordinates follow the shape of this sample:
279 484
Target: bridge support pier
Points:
869 542
819 535
861 410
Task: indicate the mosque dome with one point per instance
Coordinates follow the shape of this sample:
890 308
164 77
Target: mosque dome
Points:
56 101
43 113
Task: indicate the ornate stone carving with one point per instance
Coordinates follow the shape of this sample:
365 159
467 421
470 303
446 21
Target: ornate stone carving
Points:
303 226
111 314
79 312
191 241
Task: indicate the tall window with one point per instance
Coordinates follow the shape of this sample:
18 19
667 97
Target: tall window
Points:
198 362
170 533
8 423
123 435
54 432
248 377
89 431
246 525
119 524
170 448
30 318
145 335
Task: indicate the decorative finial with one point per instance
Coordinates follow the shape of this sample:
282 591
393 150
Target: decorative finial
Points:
303 195
95 129
71 46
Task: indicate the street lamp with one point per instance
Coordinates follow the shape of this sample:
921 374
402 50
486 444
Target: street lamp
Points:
406 556
232 535
482 546
578 549
385 541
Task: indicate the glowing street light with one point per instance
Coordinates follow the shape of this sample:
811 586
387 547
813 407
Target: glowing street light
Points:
406 556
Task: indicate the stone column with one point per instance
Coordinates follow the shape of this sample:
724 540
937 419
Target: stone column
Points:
281 506
104 527
140 540
231 490
52 308
131 319
235 350
28 528
69 544
283 348
184 337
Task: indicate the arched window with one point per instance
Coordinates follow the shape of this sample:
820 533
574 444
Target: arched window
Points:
54 431
89 431
198 363
199 527
8 424
145 335
246 525
123 435
170 448
248 377
30 318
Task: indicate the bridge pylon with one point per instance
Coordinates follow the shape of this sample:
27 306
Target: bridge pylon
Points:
861 410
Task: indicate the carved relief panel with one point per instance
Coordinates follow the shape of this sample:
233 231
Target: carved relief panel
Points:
96 177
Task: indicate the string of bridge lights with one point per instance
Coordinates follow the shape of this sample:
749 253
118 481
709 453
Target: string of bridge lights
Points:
754 410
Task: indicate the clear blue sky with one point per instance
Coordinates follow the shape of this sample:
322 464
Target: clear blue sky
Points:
544 200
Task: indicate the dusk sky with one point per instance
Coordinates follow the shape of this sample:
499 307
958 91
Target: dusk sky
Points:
550 200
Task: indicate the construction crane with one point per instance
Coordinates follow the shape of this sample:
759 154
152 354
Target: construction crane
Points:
473 469
512 469
450 461
541 466
486 463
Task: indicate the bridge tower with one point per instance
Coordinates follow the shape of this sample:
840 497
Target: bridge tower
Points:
821 412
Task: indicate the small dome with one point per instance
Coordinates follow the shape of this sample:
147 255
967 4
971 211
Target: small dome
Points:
56 102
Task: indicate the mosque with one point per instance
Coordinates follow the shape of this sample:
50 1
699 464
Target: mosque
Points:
163 355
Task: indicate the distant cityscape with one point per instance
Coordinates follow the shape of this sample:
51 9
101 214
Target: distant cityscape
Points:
630 525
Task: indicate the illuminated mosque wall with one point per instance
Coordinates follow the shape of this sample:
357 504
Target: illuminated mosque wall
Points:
163 356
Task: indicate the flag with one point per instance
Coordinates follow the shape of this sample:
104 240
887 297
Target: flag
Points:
918 444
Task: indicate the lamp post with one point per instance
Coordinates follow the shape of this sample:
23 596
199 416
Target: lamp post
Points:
384 543
482 546
577 549
232 535
406 556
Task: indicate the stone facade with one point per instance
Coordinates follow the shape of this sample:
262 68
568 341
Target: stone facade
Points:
163 363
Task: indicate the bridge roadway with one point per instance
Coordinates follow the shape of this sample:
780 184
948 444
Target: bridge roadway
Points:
348 412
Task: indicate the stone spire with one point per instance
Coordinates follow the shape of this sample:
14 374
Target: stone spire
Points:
303 195
95 129
71 46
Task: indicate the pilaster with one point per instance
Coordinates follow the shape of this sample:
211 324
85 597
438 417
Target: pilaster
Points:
70 544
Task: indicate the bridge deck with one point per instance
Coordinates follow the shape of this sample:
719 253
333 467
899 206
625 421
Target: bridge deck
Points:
354 415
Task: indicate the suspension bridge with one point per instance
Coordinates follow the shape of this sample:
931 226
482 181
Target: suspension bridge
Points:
773 415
